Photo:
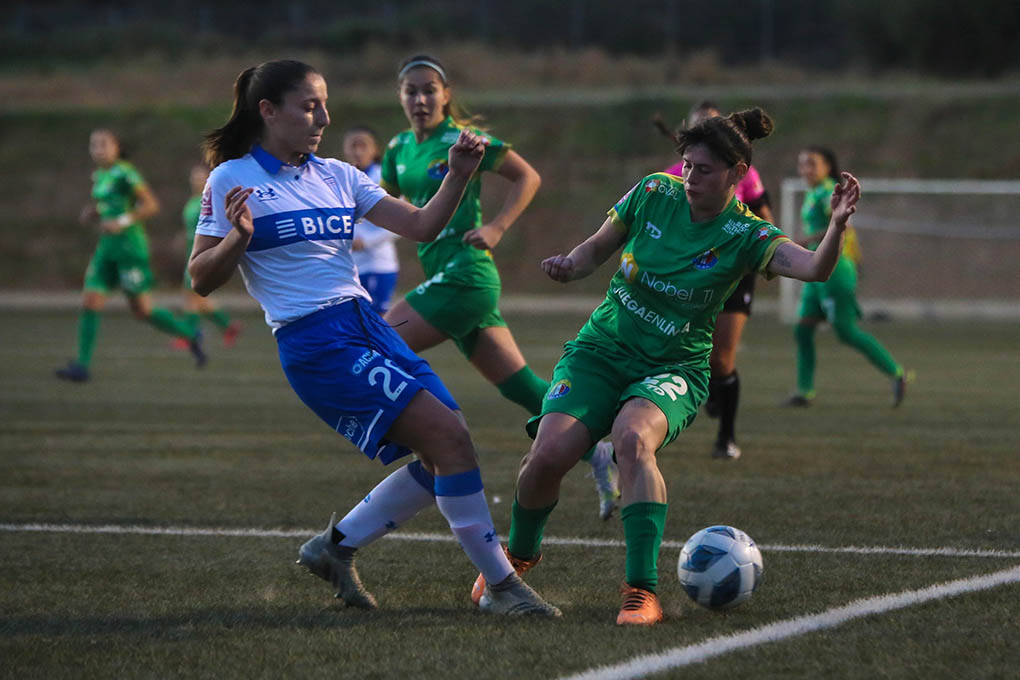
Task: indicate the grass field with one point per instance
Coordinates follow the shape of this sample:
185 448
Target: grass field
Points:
151 443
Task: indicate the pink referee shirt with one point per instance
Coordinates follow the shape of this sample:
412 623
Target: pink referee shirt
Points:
749 191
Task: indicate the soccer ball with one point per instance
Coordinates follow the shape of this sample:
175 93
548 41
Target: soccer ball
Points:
720 567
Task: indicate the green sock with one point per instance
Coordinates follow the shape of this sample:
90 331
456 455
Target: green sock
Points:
525 388
164 320
526 529
219 317
805 336
88 329
643 526
193 319
850 334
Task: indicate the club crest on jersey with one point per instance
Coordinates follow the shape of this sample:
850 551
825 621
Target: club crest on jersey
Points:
560 389
763 233
706 260
629 267
438 168
267 194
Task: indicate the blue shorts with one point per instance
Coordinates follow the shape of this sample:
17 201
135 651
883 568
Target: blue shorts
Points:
380 287
356 373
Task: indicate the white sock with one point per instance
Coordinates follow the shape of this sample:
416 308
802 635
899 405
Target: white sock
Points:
392 502
471 523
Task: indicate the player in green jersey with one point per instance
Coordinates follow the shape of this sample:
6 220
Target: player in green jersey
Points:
639 368
834 300
197 307
122 201
460 295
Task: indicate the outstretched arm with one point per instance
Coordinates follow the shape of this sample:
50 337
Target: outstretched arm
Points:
525 182
586 256
424 224
798 262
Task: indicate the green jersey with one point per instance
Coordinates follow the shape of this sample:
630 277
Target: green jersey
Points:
675 274
113 190
190 217
415 170
815 213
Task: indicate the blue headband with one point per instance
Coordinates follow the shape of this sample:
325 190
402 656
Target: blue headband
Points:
423 62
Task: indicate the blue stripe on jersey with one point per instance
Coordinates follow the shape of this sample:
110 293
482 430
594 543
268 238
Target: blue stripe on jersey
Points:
312 224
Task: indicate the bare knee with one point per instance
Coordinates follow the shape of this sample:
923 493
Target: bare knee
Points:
449 449
633 450
723 361
550 459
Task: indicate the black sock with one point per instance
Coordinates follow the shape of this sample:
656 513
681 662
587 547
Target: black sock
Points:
727 391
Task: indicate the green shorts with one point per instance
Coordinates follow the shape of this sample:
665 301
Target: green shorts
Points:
834 300
120 261
460 303
592 382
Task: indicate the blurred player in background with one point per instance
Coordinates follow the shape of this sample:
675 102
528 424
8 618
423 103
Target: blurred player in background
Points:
373 249
459 298
197 307
724 386
639 368
122 201
834 300
287 218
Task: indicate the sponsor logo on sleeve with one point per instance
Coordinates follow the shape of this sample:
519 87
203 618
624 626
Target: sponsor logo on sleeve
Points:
206 206
652 185
736 227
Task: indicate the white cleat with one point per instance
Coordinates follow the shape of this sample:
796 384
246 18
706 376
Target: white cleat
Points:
323 558
514 597
607 479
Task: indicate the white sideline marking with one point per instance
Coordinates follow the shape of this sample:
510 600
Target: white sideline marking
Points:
641 666
447 538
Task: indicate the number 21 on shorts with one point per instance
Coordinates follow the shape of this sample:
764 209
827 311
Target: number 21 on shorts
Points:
384 374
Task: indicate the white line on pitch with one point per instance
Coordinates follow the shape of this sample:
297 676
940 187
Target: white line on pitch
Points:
642 666
447 538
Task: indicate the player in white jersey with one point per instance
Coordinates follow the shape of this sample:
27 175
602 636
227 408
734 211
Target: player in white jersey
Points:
287 218
373 249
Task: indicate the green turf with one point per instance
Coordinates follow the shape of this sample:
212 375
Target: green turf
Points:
151 441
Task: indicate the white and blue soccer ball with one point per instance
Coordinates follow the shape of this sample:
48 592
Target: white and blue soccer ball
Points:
720 567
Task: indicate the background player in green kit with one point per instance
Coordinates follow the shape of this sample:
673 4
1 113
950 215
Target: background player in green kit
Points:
834 300
460 295
639 368
122 201
197 307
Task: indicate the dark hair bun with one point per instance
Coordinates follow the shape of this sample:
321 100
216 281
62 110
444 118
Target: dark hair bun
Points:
755 122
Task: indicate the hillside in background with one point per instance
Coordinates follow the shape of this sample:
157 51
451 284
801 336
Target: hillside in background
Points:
590 142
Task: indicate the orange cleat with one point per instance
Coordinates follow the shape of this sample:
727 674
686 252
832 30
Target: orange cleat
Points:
520 566
231 332
640 607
